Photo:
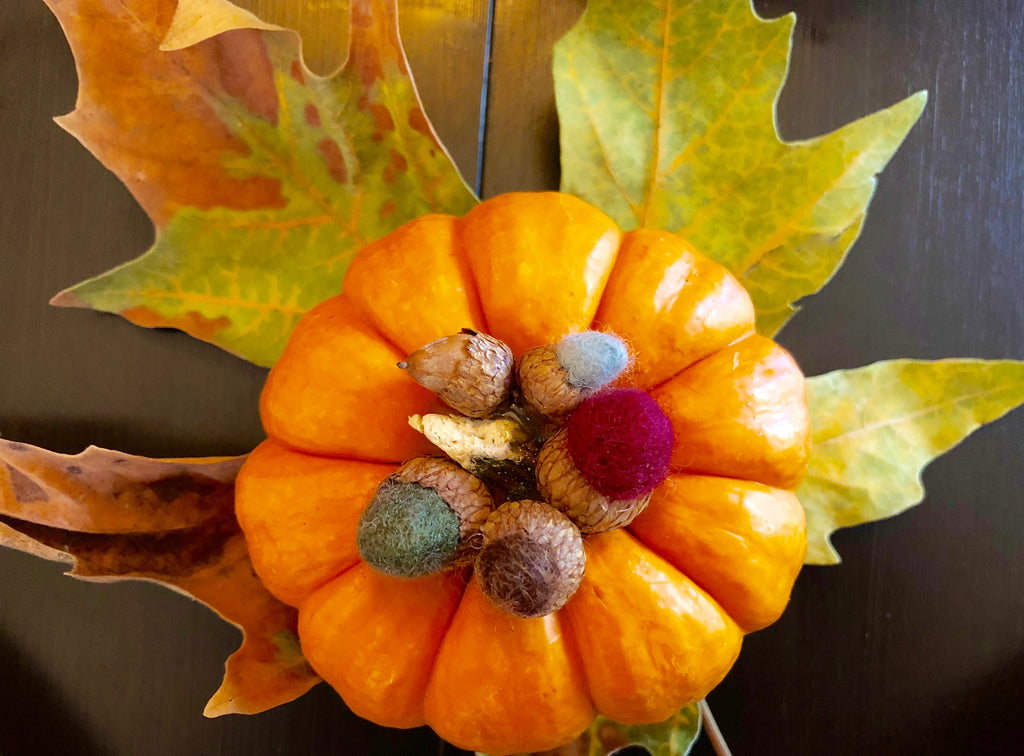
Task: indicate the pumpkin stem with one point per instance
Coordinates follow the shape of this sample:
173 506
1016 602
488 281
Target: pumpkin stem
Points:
500 450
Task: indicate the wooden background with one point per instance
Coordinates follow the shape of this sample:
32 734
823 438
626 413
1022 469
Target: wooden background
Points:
914 645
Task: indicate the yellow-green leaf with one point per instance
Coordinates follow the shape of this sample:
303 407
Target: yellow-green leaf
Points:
263 179
876 427
667 115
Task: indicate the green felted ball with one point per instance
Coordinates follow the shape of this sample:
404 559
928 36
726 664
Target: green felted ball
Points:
407 531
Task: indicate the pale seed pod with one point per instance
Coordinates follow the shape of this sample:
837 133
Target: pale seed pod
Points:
471 371
567 490
425 517
555 378
532 560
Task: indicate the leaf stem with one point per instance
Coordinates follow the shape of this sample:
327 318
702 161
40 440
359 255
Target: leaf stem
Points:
711 728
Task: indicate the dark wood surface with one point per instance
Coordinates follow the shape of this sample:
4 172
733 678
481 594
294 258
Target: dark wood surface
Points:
914 645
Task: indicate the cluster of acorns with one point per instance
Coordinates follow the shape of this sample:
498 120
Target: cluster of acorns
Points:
602 451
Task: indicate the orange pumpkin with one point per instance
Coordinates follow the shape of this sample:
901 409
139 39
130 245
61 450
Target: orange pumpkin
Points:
658 619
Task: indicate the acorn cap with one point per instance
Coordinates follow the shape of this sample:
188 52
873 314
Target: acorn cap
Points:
555 378
532 560
470 371
466 494
544 383
424 517
567 490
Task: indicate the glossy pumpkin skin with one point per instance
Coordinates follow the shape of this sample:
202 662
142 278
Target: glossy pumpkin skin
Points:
664 603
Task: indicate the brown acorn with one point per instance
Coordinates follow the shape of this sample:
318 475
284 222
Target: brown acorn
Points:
532 560
424 517
567 490
555 378
471 371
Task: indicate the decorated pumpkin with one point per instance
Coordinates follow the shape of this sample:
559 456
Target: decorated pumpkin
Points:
527 468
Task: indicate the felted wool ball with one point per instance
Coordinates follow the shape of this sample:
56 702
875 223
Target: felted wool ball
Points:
592 359
621 442
407 531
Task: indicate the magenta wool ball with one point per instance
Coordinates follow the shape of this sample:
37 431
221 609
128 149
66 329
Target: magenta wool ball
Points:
621 441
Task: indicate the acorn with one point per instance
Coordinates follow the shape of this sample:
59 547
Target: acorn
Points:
470 371
424 517
602 466
532 559
555 378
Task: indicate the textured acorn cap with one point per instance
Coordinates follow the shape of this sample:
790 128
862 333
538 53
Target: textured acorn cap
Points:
470 371
532 560
555 378
564 487
545 383
426 516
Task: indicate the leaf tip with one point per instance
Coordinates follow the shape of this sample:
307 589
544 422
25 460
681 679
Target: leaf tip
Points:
218 706
67 298
195 21
917 102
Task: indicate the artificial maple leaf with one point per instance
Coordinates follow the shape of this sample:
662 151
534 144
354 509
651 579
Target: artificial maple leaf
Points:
667 116
116 516
263 179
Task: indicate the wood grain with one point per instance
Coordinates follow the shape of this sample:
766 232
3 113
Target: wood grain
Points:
521 145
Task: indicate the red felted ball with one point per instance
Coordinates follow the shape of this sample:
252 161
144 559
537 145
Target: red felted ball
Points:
621 441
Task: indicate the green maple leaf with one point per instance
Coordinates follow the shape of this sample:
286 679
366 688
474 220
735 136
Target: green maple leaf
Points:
667 115
262 178
673 737
877 427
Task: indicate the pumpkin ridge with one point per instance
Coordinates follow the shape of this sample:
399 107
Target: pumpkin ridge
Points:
756 534
325 496
674 304
372 326
654 549
594 324
466 706
749 429
331 579
334 369
414 284
636 685
541 261
463 255
381 675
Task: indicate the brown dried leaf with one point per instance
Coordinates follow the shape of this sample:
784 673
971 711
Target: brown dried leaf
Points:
116 516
